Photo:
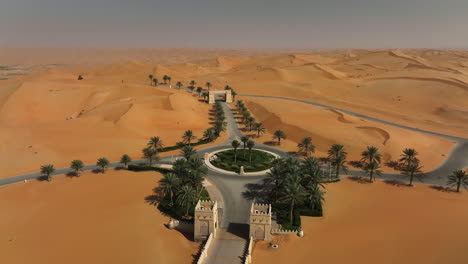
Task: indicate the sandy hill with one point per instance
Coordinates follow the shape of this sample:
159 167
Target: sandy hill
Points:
409 87
52 117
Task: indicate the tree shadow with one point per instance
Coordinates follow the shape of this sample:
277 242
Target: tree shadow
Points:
270 143
441 188
324 159
257 192
197 255
393 164
156 197
185 228
42 178
72 174
359 179
239 229
97 171
356 164
397 183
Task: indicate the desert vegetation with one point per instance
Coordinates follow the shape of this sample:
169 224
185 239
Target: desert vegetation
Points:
295 188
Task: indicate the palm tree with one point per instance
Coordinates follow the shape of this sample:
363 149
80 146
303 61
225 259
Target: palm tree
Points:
279 134
151 79
293 193
188 151
155 143
275 177
209 134
199 91
103 163
191 88
311 171
459 178
47 170
373 167
413 170
235 144
188 136
306 146
250 145
260 129
77 165
371 159
219 126
150 154
409 163
192 83
314 195
205 96
169 183
165 79
337 155
179 84
208 85
186 197
233 93
244 140
125 159
227 87
371 154
250 122
169 81
155 81
409 157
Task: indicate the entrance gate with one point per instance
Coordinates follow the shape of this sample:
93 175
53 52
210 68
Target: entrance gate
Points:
227 96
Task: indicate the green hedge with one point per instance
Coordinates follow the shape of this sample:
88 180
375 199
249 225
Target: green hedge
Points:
282 214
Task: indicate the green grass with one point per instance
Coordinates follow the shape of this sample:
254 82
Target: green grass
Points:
260 160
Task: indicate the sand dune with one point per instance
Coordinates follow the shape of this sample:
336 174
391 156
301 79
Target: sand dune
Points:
50 120
396 225
322 125
96 218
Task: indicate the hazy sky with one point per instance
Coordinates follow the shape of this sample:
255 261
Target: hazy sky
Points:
235 23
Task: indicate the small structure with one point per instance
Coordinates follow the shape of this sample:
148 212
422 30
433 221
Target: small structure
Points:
260 221
212 95
242 172
206 220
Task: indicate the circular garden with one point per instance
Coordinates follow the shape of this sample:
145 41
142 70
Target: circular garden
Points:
253 161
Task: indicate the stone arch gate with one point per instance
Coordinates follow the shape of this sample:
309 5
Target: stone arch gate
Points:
212 95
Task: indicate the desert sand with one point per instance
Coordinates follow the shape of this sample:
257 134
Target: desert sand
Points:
96 218
50 117
426 89
327 127
378 223
47 116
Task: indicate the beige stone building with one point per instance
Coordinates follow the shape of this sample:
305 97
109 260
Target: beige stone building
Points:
212 96
260 222
206 219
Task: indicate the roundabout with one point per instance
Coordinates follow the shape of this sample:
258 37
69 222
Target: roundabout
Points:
253 162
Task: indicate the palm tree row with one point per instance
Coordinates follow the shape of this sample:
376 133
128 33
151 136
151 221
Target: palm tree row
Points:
166 79
247 119
297 183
